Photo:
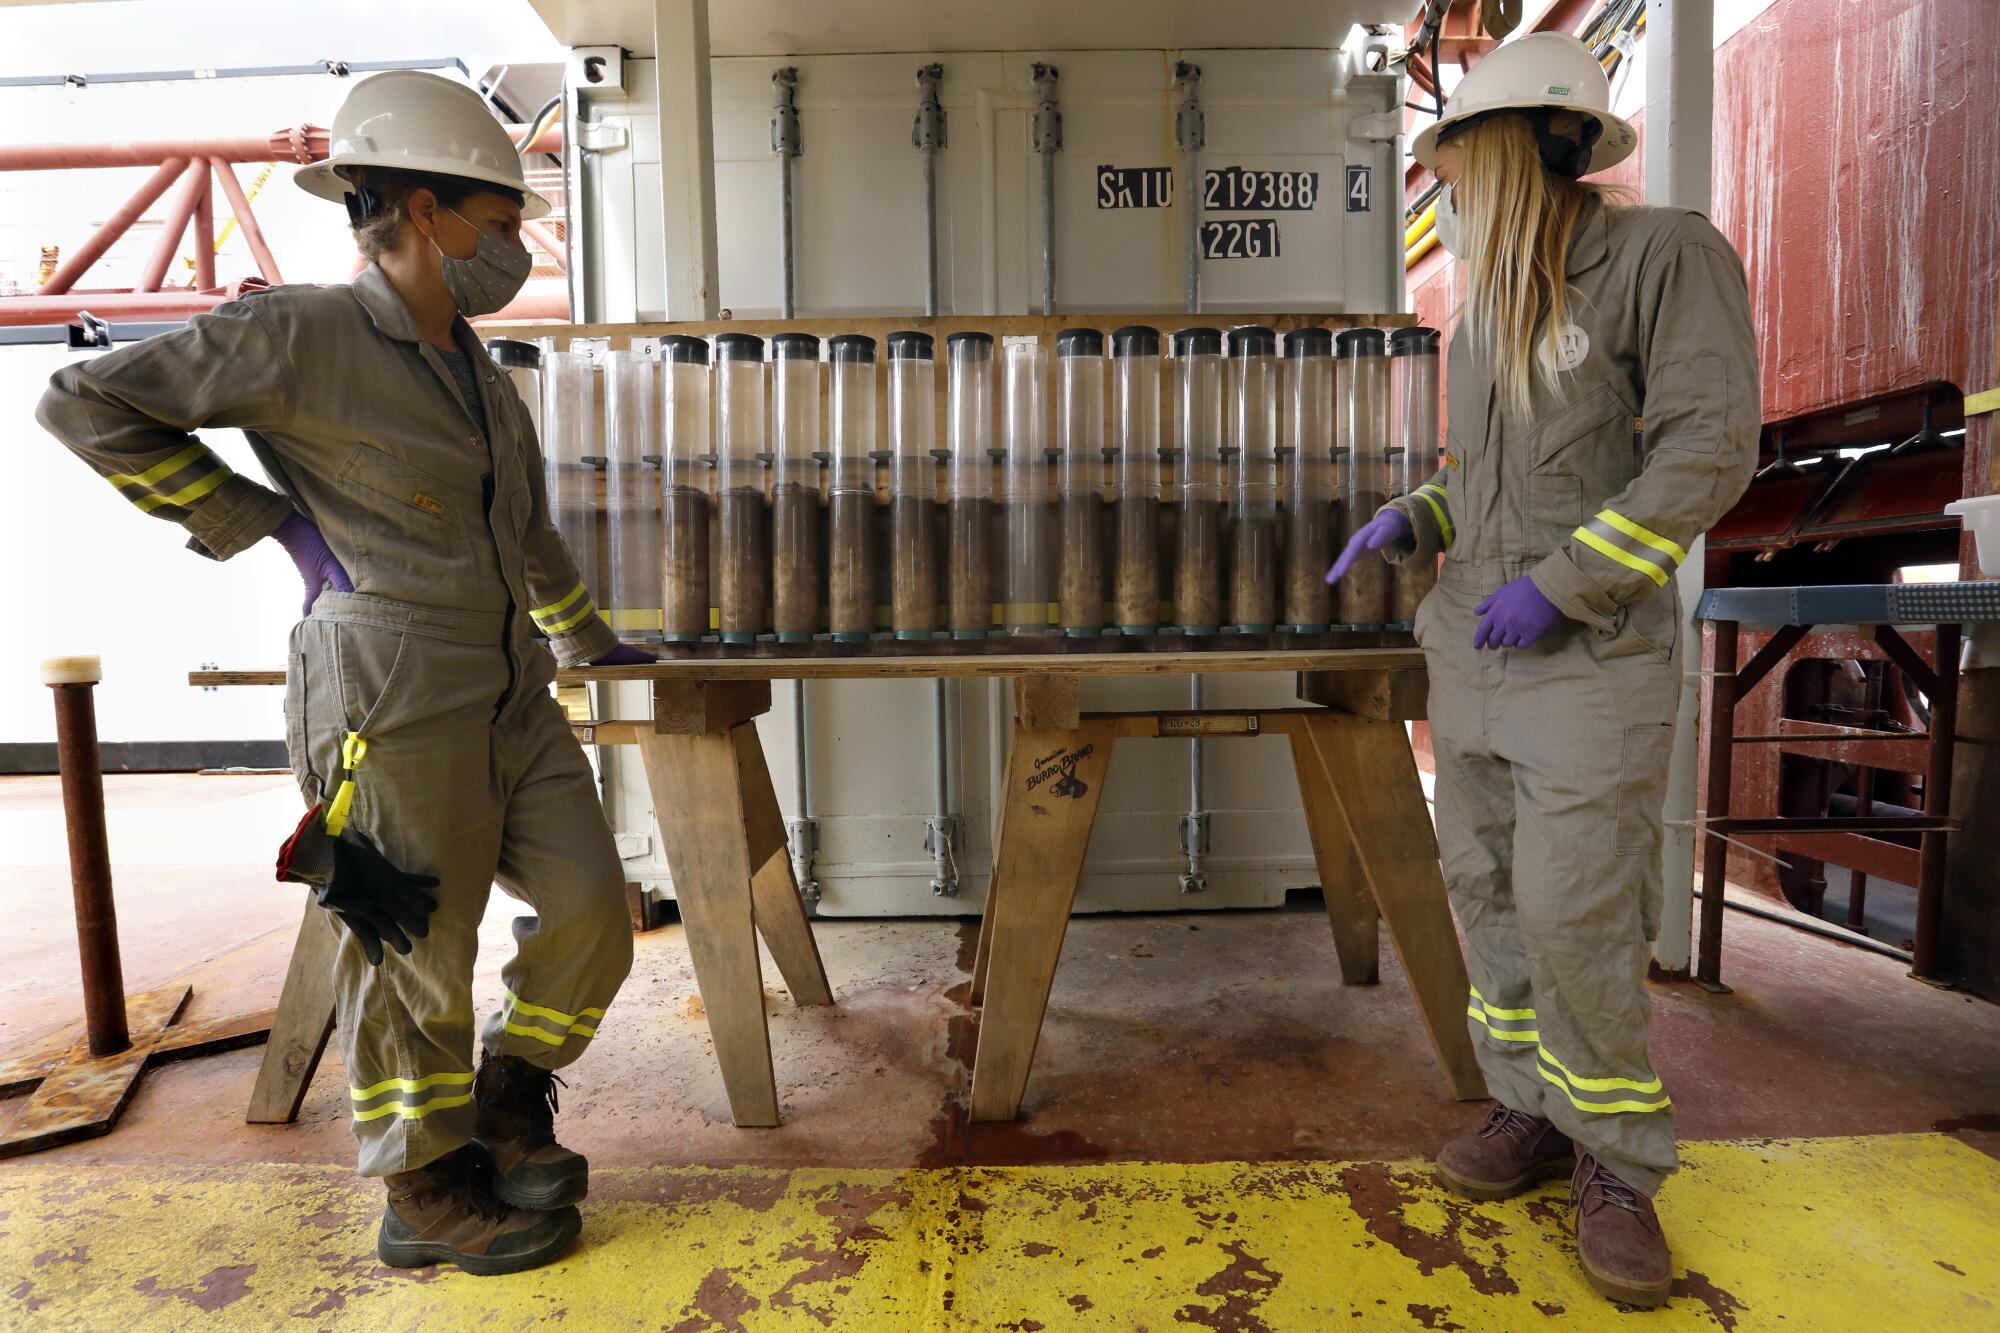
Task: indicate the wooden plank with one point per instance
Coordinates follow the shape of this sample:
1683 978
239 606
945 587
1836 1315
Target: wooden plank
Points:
1147 663
683 707
1373 776
774 891
1053 784
1350 909
1388 694
1046 703
210 1036
303 1022
698 800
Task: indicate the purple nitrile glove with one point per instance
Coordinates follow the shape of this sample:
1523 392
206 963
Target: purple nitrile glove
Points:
1515 616
318 565
625 655
1386 527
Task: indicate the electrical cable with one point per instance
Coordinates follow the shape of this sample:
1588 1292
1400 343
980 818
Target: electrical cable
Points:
1819 928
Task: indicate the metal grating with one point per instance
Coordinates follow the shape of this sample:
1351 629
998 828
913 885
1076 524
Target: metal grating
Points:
1856 604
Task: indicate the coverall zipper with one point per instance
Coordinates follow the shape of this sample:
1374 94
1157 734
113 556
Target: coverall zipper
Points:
507 619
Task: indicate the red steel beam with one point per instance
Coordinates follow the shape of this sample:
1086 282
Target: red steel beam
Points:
111 229
539 233
300 144
246 220
112 307
194 183
1875 857
204 230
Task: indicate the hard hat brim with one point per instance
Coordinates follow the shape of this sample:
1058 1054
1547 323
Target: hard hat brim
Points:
323 179
1617 142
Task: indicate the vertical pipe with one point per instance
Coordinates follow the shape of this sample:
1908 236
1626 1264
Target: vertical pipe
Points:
1048 142
1714 851
204 230
927 136
1937 800
246 220
785 143
1191 133
73 680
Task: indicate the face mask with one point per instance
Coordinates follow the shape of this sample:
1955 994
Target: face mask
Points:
490 279
1447 220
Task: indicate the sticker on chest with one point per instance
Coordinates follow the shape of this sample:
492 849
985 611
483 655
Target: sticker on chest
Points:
429 504
1571 347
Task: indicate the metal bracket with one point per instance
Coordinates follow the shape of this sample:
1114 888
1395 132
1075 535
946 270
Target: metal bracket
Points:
597 71
941 841
1375 126
928 130
1048 128
802 836
88 331
1194 846
1190 122
594 136
785 137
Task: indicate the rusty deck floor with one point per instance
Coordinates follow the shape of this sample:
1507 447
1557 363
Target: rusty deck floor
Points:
1204 1089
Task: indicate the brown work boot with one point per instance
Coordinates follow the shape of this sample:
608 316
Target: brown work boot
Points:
1618 1237
445 1213
1510 1152
517 1129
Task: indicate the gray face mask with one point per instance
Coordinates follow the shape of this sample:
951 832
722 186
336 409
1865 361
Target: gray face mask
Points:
490 279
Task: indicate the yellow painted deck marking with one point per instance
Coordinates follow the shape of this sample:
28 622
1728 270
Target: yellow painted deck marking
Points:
1824 1234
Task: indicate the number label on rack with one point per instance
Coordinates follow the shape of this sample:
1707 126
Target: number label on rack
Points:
1359 182
1244 238
1242 189
1135 187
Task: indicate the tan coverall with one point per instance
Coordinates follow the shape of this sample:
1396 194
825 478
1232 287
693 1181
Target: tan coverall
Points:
1552 759
470 771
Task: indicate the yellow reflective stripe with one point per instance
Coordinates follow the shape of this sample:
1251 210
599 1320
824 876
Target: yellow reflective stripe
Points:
560 626
537 1033
1438 510
1646 535
582 1031
410 1084
1622 556
187 495
160 471
1602 1084
1603 1108
520 1005
1500 1013
1504 1034
413 1112
554 609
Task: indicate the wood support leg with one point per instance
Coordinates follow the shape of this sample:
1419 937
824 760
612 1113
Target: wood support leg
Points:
1350 908
303 1022
698 798
1373 778
1054 780
780 912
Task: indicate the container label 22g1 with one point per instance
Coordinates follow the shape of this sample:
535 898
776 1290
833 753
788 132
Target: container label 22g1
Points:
1240 238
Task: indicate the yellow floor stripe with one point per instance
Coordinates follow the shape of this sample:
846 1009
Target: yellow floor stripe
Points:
1824 1234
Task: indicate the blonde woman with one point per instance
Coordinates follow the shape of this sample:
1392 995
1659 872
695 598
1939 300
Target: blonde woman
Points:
1552 638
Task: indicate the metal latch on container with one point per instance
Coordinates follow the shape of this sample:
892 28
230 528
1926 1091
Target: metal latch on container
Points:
1375 126
594 136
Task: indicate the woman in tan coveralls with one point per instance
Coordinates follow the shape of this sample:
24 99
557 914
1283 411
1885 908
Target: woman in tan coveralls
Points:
1552 638
417 707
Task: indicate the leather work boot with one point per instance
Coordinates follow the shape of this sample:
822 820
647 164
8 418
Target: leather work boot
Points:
1509 1153
445 1213
517 1129
1618 1237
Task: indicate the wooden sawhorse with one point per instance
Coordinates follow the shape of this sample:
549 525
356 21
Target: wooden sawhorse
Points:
725 844
1371 837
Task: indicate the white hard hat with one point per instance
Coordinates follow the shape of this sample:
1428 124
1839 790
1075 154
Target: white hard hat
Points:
1551 70
414 121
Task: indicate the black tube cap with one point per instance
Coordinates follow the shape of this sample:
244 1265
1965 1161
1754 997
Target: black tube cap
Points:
1415 341
514 354
1136 340
1252 340
738 347
1079 342
857 348
1358 342
910 345
978 346
679 347
1309 342
794 347
1198 342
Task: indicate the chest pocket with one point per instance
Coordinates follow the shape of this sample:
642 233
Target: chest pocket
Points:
1581 456
405 527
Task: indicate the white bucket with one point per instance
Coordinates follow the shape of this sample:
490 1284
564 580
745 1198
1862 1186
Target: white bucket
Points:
1981 516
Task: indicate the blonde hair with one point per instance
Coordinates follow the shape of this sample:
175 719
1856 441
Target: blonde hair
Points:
1518 219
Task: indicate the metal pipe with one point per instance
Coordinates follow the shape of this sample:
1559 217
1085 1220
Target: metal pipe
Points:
1194 825
112 228
802 830
73 680
1715 801
1191 134
246 220
785 143
300 145
1048 142
542 236
204 231
194 183
542 299
1937 799
927 135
